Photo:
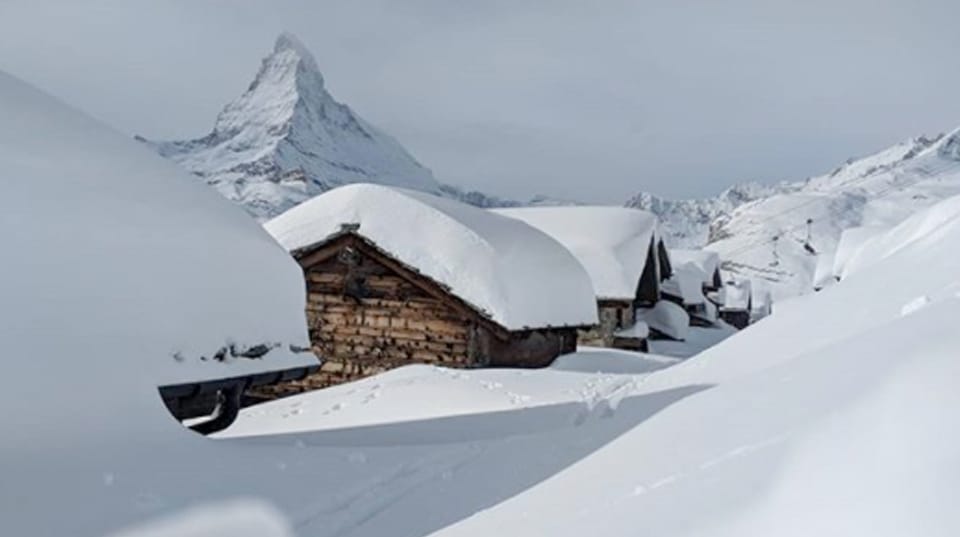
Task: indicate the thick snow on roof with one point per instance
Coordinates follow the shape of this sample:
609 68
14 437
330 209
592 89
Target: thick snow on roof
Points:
667 318
687 284
737 295
122 273
514 273
707 261
611 242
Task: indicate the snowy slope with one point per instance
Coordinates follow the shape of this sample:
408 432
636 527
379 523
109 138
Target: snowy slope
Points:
762 232
845 433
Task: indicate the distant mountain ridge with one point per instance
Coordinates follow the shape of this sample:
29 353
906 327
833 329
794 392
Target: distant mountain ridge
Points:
776 235
286 139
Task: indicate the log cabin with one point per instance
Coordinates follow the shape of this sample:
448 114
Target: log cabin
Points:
396 277
625 257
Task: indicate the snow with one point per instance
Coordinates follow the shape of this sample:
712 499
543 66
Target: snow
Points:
737 295
514 273
667 318
235 518
878 190
410 394
851 240
705 261
686 283
638 329
697 340
612 243
124 257
839 434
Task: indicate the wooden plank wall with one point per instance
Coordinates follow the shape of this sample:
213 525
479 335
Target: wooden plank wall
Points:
364 319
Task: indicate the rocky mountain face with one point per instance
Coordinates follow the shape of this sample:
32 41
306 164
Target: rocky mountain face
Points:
286 139
777 235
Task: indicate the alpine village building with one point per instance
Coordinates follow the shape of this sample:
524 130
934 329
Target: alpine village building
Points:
625 257
396 277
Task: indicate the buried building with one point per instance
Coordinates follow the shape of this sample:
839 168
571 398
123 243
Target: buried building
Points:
395 277
624 255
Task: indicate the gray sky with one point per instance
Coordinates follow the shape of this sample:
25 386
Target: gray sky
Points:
592 100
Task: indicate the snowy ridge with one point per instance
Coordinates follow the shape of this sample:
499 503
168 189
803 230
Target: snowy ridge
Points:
286 139
763 234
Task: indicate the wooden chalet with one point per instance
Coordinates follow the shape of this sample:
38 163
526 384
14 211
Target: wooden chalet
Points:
625 257
394 277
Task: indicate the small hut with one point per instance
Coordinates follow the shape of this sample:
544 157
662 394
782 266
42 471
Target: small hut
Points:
624 255
695 284
737 304
396 277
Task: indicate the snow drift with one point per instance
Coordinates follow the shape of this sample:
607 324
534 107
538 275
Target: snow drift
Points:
827 418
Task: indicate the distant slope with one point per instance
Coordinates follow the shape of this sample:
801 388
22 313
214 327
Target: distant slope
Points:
763 232
286 139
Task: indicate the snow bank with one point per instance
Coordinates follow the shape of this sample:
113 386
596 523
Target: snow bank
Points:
237 518
923 227
829 418
667 318
411 393
122 273
851 241
514 273
612 243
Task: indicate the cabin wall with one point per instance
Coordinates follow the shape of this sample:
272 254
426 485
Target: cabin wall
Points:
532 348
365 318
614 315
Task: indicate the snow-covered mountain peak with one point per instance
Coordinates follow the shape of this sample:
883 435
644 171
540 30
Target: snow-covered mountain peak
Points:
286 139
949 146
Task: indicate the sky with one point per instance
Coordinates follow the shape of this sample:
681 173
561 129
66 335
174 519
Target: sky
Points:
590 101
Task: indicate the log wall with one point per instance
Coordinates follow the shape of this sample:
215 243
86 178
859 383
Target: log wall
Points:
365 317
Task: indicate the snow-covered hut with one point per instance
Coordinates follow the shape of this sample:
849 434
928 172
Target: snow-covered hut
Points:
622 252
685 287
395 277
737 303
706 261
124 275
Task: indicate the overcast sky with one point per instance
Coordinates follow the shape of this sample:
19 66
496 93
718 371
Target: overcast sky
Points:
591 100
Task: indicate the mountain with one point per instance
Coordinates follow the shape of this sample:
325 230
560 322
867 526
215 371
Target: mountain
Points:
776 235
286 139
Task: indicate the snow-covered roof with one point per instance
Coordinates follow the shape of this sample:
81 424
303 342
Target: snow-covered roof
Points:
708 262
517 275
667 318
687 284
122 273
611 242
737 295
